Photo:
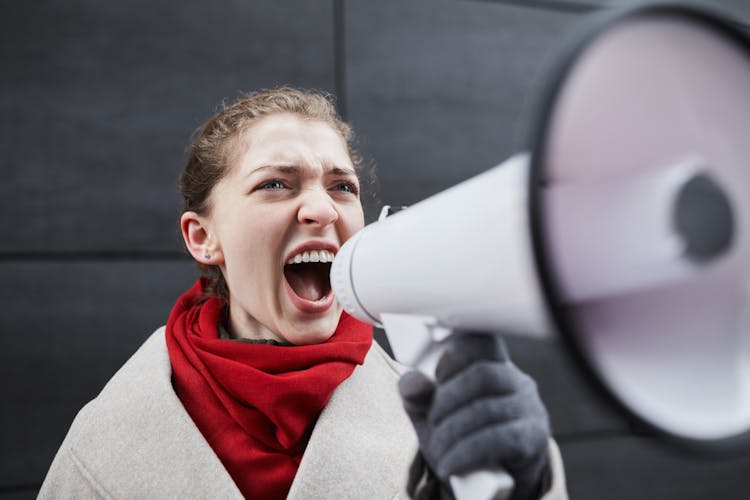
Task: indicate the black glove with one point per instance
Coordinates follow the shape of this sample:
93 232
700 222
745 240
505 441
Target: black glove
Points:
482 412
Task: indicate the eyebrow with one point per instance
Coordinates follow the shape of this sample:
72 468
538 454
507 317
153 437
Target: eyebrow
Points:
293 169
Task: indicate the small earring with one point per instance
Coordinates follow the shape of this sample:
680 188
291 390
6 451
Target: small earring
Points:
206 256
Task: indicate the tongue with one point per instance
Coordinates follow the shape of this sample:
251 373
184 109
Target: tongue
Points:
309 281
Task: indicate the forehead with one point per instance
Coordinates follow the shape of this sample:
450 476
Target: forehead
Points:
283 138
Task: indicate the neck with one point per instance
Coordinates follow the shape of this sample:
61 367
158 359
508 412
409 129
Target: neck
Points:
244 327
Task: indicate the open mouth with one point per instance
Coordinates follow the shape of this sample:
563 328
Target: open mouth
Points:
308 274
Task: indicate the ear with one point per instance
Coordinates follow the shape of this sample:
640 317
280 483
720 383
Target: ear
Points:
199 240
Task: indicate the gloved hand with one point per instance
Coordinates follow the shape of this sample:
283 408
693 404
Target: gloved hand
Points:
482 412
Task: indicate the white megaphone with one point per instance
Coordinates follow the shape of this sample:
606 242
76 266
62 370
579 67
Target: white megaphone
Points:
624 230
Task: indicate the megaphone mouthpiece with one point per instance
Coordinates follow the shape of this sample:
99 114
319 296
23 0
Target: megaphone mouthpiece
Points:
703 218
628 232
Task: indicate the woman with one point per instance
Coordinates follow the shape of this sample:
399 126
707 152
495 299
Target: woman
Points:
259 385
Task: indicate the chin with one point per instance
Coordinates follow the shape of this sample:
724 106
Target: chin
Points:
314 332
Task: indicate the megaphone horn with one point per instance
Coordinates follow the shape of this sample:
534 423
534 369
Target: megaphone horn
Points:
623 229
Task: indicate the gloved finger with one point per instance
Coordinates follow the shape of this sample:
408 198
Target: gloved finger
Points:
417 391
511 446
481 413
466 348
481 379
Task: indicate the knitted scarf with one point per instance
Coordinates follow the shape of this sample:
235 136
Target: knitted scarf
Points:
256 404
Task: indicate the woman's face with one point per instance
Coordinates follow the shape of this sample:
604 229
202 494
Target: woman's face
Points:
291 195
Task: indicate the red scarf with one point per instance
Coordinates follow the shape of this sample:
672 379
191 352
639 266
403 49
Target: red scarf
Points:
256 404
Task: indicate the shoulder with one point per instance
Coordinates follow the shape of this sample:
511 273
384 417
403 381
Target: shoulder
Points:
378 357
374 383
129 397
135 427
138 390
99 432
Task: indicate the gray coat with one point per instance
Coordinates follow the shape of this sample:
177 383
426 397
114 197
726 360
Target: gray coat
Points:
135 440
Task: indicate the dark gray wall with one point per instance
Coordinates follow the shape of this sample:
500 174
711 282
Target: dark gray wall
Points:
97 103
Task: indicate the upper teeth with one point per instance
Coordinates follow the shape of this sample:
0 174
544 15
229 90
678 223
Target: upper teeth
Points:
312 256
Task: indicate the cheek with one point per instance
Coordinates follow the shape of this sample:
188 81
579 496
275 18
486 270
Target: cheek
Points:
252 249
353 220
256 232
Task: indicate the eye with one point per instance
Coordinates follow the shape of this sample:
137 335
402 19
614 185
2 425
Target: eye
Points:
272 185
347 187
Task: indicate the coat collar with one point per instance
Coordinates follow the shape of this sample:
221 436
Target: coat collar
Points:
361 446
363 442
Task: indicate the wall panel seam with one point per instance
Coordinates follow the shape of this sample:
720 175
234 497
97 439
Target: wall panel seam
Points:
339 56
551 5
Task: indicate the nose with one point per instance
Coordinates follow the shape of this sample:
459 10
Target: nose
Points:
317 208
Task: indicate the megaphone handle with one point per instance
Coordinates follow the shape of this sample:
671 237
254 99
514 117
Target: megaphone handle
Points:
495 484
488 484
419 342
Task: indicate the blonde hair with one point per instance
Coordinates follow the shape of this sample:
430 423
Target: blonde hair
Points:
210 153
